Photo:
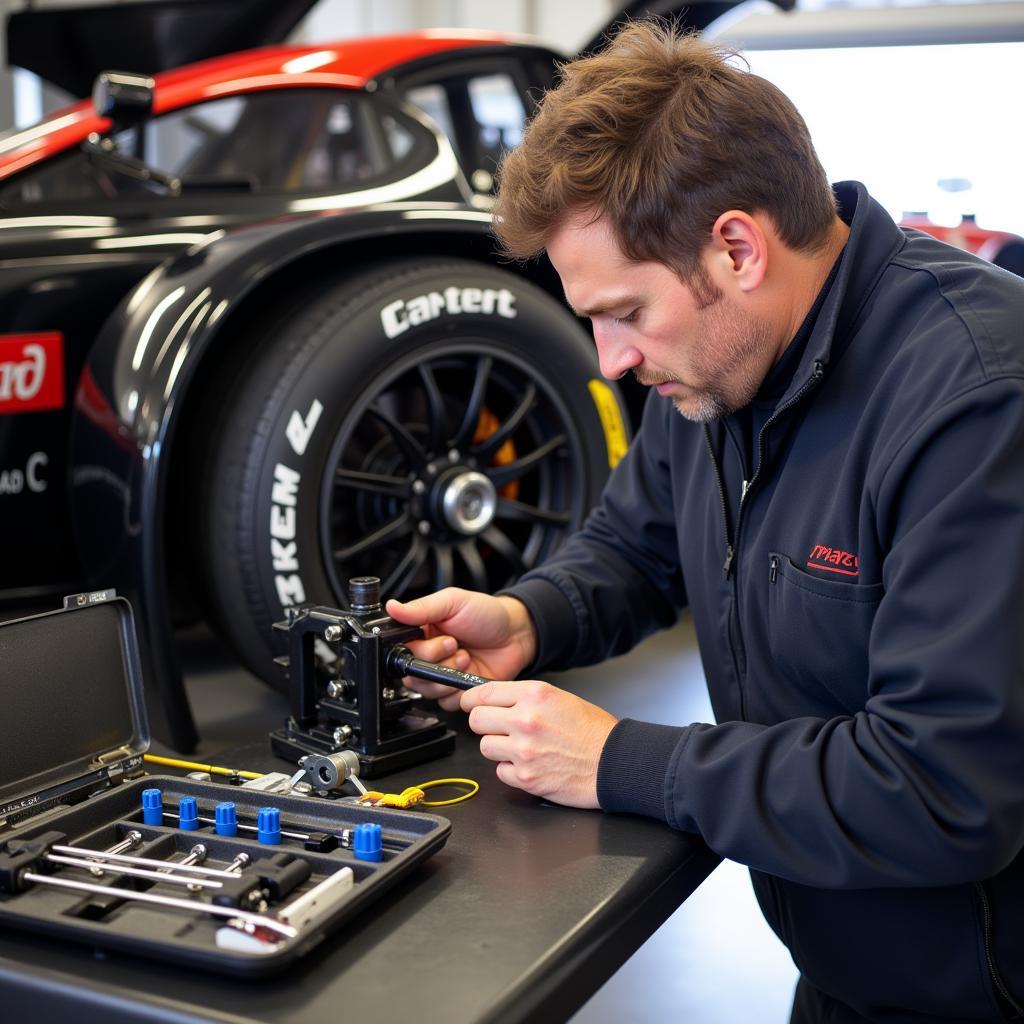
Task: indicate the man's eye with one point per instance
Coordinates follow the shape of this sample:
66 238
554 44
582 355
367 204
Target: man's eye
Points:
627 319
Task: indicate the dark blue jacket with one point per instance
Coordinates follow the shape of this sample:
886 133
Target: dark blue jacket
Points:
860 614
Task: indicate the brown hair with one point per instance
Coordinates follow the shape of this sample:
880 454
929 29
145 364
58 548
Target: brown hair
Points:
660 134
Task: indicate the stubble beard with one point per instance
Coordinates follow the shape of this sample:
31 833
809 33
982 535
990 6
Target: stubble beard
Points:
725 387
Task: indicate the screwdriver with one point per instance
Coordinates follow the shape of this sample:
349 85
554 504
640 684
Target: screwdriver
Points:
402 662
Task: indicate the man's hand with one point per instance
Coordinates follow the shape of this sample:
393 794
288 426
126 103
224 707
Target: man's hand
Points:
489 636
546 741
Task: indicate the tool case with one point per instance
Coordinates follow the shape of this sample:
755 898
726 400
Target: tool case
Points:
78 862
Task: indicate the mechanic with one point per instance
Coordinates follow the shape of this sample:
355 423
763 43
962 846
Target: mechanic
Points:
840 505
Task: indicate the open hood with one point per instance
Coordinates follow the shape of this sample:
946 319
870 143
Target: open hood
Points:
69 46
697 14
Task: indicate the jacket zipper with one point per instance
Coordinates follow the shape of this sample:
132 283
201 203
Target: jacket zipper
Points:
721 497
731 547
811 381
993 971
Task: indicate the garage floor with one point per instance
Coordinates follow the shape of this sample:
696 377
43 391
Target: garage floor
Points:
714 961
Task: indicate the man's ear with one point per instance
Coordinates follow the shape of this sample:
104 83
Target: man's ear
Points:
739 251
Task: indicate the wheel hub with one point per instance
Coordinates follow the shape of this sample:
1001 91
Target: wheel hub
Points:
466 501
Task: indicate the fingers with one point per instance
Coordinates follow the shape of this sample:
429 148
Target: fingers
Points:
436 649
432 608
501 694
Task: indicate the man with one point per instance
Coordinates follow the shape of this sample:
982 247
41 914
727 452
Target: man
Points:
840 504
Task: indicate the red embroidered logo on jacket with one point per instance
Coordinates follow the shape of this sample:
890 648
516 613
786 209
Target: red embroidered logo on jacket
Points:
833 560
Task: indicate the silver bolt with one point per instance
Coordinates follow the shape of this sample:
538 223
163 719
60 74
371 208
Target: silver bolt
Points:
453 455
302 788
387 693
418 487
376 629
424 527
333 690
341 734
130 841
332 633
241 861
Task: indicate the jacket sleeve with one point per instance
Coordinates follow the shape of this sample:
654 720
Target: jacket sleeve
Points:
618 578
923 787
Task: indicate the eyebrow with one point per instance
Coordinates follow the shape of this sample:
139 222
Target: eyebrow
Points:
612 302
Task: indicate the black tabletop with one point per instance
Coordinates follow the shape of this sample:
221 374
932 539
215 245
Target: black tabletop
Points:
526 911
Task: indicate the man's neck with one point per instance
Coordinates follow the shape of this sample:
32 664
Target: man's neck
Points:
811 278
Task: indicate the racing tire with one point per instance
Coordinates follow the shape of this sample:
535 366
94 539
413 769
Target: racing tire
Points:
432 423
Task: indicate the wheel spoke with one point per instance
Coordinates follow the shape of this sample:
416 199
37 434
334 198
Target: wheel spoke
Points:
406 443
520 513
388 532
467 428
444 568
503 474
485 450
404 573
435 407
500 543
375 483
475 564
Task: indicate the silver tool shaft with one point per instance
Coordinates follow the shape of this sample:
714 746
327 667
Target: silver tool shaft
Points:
150 862
260 920
124 869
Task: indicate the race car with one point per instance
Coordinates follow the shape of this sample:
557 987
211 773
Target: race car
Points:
254 338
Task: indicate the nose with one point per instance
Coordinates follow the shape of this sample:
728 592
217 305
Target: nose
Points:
615 356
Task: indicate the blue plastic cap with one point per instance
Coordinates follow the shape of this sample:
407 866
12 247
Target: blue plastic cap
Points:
188 816
268 826
226 823
152 807
367 843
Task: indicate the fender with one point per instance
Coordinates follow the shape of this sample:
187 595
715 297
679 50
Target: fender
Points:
134 383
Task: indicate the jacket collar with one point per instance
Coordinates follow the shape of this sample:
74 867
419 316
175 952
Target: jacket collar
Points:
874 239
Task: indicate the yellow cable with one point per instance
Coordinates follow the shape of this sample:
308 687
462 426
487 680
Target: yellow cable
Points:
474 788
173 762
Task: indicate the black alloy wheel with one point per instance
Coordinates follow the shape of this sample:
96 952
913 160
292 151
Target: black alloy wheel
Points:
461 467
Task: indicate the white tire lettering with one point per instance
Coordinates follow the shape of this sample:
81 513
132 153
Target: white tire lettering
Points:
284 556
398 316
282 522
286 485
289 590
300 430
391 321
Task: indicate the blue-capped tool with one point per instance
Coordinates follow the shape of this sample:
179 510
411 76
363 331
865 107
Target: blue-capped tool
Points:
367 843
226 820
188 814
152 807
268 826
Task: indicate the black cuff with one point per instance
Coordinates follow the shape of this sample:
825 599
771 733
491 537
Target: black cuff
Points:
554 622
634 765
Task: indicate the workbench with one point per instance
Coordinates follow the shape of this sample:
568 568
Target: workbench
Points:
526 911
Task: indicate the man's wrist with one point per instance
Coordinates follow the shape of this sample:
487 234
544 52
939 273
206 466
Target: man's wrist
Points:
521 628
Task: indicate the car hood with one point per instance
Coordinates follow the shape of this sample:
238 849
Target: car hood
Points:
70 46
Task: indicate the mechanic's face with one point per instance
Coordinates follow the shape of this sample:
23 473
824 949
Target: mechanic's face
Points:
693 342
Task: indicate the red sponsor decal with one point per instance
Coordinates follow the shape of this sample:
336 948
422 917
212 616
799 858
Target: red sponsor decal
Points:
31 372
833 560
